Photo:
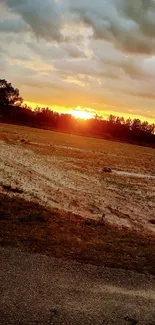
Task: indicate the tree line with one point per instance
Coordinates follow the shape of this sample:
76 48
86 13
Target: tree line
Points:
12 110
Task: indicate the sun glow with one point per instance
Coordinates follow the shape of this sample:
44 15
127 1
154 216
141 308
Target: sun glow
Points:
81 113
88 113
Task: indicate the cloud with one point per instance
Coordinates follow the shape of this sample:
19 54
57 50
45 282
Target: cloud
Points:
143 12
117 62
74 51
42 16
141 94
3 64
87 67
129 25
132 67
12 26
51 52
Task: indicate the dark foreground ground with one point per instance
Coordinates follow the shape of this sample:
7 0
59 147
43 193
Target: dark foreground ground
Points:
38 289
33 228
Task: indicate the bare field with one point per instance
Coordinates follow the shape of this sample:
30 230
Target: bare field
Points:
66 172
57 199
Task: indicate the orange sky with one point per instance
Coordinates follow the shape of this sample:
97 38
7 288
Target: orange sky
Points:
91 112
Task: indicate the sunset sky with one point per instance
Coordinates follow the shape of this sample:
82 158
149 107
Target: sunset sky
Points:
97 55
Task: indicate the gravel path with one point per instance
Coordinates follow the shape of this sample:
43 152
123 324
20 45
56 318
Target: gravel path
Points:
37 289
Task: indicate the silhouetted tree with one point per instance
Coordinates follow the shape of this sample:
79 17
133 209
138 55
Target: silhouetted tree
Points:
112 118
148 128
8 94
128 123
136 124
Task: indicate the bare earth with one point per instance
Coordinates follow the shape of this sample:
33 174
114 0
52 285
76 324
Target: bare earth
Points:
66 172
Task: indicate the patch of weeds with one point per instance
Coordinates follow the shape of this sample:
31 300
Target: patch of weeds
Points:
9 188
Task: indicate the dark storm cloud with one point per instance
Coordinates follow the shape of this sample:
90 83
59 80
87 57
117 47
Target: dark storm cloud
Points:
142 12
42 16
129 24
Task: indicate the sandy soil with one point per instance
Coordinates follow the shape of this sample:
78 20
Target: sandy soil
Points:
71 178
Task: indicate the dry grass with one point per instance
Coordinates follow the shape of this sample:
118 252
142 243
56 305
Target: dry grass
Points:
31 227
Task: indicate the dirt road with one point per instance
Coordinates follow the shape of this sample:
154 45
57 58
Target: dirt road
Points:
37 289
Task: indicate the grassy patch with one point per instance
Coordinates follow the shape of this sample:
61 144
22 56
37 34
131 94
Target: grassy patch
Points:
34 228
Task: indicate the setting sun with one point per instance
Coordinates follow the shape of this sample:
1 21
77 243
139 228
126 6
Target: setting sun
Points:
84 114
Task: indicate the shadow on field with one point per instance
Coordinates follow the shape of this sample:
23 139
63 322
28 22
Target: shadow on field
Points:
34 228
